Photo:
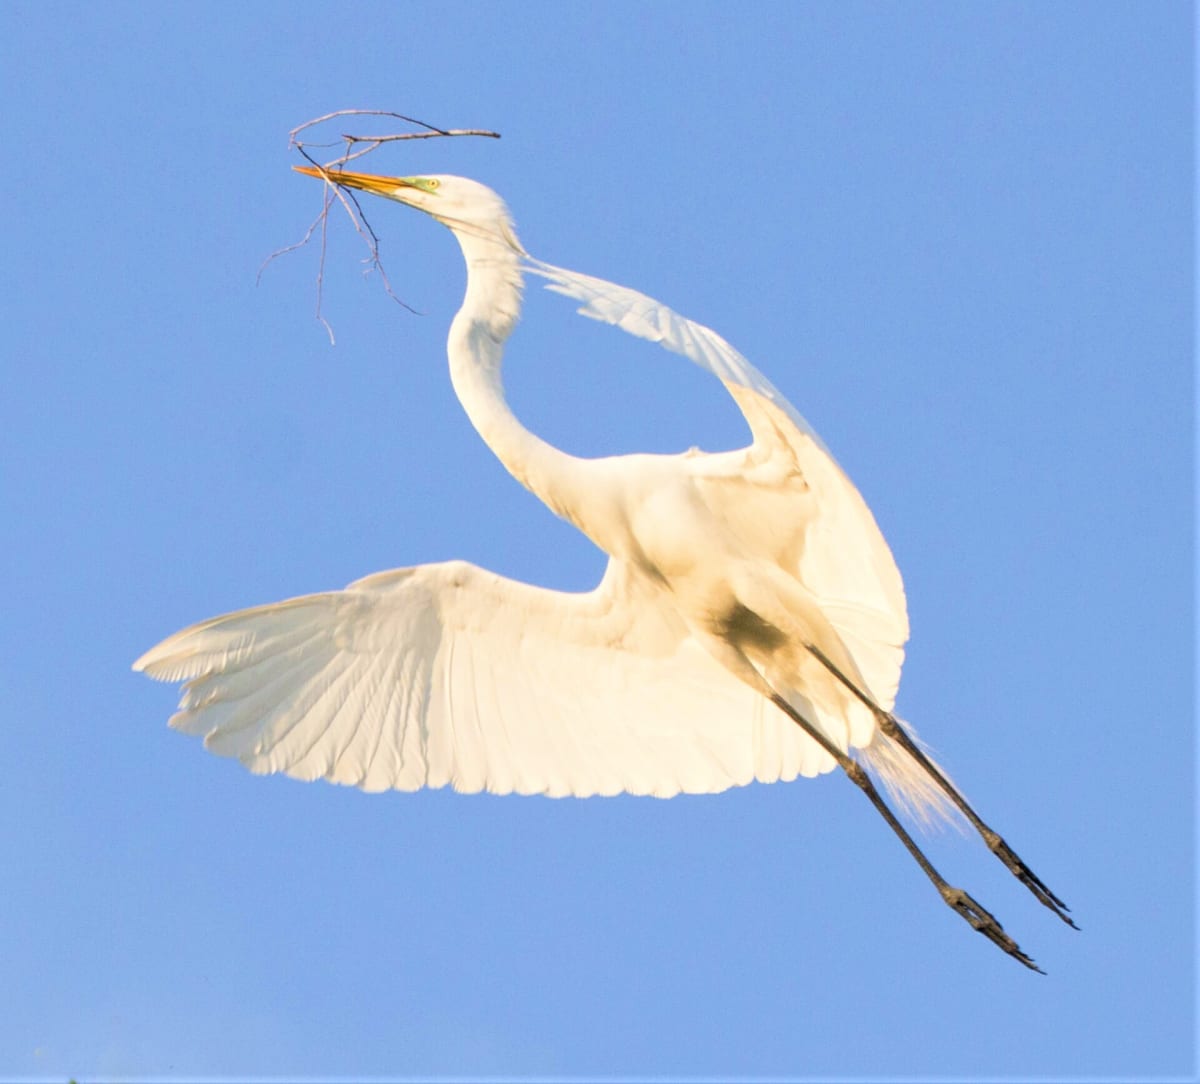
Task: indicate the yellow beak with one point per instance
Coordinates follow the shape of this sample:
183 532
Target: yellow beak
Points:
366 182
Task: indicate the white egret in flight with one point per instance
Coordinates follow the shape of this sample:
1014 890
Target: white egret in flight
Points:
749 626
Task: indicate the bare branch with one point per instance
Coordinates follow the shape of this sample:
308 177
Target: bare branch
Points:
421 135
355 147
318 221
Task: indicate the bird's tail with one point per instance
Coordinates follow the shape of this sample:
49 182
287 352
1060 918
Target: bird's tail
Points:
907 782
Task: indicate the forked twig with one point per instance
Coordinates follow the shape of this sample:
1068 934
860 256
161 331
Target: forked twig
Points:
329 170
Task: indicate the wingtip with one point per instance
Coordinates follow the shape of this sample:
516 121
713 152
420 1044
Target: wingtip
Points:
145 662
151 663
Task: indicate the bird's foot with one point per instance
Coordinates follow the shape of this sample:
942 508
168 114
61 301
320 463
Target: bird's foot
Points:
983 921
1026 876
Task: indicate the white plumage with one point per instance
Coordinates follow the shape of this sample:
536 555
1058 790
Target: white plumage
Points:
450 675
750 625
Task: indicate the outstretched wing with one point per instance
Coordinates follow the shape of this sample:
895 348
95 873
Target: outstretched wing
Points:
449 674
840 555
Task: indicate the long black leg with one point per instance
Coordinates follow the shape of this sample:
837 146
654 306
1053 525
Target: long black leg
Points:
892 728
979 918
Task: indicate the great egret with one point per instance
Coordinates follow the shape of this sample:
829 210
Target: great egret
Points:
750 624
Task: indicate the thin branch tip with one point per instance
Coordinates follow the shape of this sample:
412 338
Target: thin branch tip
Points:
353 148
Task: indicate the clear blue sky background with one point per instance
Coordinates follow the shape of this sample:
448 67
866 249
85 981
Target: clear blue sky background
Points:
958 237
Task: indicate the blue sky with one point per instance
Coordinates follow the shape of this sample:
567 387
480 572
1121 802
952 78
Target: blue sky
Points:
958 238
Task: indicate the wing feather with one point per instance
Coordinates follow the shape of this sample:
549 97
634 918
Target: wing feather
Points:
450 675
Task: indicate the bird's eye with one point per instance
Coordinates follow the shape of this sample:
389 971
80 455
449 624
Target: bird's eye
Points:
433 183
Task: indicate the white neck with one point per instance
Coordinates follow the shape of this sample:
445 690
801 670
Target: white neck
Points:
476 346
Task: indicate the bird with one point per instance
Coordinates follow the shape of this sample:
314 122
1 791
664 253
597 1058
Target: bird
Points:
750 623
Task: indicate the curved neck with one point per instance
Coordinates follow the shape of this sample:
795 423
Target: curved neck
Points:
476 347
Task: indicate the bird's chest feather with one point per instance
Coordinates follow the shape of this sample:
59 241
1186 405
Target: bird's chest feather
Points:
674 533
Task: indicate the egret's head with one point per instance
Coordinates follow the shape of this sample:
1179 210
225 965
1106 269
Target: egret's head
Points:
465 206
